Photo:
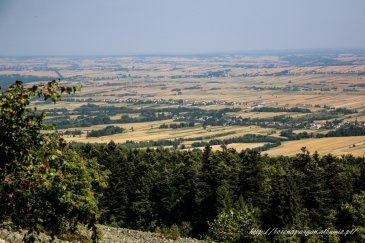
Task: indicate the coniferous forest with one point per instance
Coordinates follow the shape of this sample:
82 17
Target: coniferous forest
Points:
50 186
226 194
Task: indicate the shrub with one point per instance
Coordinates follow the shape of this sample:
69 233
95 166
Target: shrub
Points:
44 186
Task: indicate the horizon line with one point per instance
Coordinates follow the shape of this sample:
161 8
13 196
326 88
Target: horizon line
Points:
241 52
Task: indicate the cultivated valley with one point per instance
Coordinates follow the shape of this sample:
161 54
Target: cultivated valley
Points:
188 102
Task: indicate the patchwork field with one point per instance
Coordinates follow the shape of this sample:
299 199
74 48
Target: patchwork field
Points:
148 131
336 146
204 98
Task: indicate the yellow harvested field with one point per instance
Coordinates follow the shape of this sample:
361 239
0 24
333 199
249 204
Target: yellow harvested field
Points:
146 131
360 118
334 145
239 146
58 105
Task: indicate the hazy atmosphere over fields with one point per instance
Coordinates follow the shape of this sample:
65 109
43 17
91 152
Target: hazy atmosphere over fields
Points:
177 27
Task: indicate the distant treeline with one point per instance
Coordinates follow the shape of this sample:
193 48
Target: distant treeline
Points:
345 131
176 143
349 130
109 130
7 79
248 138
281 109
343 110
177 125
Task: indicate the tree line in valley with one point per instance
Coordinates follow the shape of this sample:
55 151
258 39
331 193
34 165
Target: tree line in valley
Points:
108 130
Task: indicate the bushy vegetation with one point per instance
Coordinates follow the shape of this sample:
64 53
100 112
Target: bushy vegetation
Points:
45 186
295 136
73 133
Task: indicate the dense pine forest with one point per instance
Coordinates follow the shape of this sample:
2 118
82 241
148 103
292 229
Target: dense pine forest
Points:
50 186
225 194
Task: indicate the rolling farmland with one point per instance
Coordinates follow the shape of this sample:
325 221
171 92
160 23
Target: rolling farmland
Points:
335 146
221 96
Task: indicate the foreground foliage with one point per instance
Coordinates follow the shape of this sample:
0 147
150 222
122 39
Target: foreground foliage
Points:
44 185
233 224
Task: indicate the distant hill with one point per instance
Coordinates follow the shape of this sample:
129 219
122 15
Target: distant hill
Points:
6 80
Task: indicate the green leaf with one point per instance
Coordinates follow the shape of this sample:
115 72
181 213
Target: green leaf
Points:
69 90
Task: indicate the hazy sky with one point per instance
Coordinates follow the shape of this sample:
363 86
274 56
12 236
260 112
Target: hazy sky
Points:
84 27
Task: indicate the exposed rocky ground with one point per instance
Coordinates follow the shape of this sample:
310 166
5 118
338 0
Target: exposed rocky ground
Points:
133 236
110 235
